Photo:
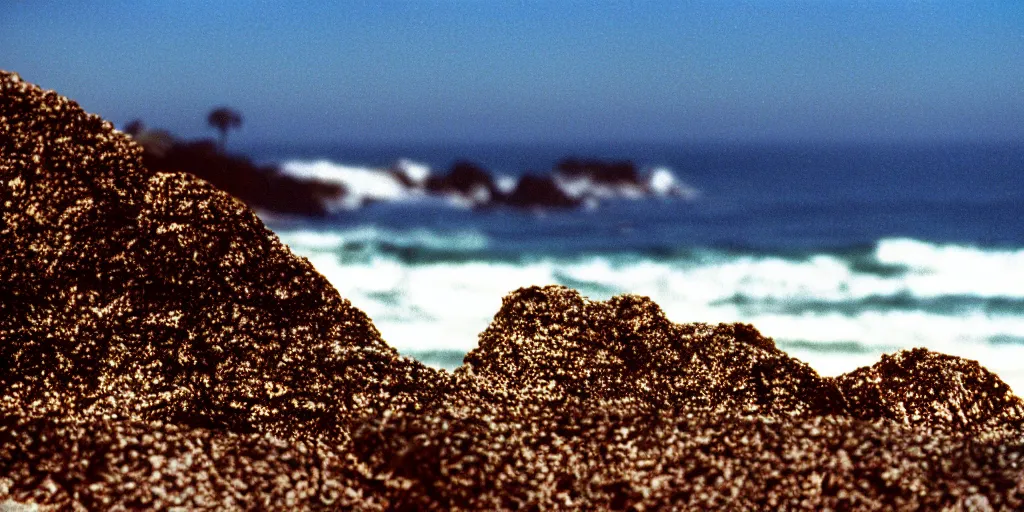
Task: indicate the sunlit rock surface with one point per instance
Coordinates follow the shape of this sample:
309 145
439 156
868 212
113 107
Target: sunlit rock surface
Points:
159 347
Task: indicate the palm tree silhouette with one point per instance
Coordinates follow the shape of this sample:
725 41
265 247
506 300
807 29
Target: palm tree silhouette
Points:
224 119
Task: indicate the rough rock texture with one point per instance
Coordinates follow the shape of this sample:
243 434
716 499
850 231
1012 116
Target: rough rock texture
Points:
923 387
557 345
160 348
156 289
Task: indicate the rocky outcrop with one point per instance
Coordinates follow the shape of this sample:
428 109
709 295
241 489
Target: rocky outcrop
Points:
932 389
133 293
555 344
467 181
533 191
574 404
160 348
600 179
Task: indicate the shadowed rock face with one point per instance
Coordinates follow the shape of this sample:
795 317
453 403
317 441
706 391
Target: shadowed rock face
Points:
923 387
466 180
153 295
159 347
555 345
539 191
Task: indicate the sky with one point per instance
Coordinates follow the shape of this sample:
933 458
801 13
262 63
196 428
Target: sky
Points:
534 71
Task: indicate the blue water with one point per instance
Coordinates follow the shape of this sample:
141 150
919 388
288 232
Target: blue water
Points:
840 253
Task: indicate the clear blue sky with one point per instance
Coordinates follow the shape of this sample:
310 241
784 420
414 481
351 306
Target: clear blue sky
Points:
486 70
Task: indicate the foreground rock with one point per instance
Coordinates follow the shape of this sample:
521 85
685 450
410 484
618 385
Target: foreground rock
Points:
160 348
135 294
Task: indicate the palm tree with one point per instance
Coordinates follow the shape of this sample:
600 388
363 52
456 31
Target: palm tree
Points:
224 119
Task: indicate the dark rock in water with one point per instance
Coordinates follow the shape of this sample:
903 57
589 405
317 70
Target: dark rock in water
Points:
600 172
466 180
534 191
160 348
594 179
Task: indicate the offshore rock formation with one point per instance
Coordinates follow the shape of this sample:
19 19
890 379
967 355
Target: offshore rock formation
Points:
321 187
466 180
534 191
159 348
571 184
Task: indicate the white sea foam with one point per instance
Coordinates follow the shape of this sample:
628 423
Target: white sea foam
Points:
505 183
956 269
662 182
304 241
579 187
444 305
415 172
361 183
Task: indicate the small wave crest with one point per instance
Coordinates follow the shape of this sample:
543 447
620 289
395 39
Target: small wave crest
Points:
373 243
361 184
945 269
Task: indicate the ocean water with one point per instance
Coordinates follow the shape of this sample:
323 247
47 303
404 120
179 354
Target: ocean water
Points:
839 253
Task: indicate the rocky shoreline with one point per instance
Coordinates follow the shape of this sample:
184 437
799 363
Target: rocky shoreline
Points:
160 348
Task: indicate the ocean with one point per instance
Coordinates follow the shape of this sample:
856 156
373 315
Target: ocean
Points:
840 253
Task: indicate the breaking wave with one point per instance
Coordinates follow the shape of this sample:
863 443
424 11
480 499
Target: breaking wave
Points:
431 292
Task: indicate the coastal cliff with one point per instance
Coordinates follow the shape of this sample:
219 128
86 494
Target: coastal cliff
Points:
160 347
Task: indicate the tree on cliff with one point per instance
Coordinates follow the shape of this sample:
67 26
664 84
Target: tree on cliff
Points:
224 119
